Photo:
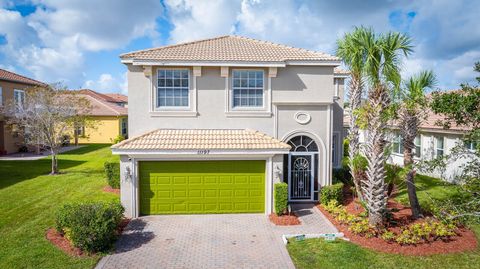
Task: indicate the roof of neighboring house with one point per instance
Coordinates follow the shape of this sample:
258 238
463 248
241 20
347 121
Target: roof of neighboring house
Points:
14 77
120 98
228 49
102 105
198 139
339 71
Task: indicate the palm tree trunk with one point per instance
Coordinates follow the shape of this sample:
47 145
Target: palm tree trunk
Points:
409 132
374 187
355 93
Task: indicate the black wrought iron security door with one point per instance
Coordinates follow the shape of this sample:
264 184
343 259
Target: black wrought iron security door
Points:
301 175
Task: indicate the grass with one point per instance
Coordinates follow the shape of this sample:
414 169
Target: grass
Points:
29 198
316 253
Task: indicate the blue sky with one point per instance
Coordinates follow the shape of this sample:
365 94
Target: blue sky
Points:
78 42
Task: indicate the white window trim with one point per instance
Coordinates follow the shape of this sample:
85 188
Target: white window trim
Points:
181 111
399 136
415 148
263 111
436 146
15 91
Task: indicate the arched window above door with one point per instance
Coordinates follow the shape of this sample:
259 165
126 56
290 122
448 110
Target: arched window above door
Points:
303 143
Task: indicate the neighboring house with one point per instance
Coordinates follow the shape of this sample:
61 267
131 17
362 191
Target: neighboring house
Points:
12 89
432 141
109 118
119 99
216 122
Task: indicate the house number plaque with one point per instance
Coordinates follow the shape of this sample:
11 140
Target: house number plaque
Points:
203 151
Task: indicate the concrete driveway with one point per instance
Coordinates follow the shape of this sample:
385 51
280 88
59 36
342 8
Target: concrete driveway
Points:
210 241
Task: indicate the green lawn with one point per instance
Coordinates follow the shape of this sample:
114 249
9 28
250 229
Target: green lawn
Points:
29 198
316 253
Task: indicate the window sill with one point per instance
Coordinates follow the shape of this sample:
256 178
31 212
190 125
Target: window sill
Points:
173 113
248 114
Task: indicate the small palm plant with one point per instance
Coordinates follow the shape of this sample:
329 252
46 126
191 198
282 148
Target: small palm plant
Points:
411 114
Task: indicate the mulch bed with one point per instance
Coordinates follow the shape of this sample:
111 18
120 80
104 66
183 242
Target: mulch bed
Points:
62 243
284 220
58 240
111 190
464 241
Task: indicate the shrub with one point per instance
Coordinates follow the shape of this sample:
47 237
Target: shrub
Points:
112 172
342 175
332 192
90 226
281 198
388 236
118 139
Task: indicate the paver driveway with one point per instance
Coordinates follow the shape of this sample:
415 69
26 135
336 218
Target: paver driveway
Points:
210 241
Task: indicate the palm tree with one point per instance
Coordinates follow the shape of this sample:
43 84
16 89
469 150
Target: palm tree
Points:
382 65
411 116
350 50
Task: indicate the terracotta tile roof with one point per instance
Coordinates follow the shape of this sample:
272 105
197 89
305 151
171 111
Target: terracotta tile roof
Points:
118 97
14 77
339 71
198 139
228 49
102 105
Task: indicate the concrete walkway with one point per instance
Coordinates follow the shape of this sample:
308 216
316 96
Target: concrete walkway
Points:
210 241
31 156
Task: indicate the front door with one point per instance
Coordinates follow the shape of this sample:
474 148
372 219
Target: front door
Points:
300 176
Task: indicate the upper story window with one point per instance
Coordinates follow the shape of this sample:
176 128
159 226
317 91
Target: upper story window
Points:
418 146
19 97
172 88
440 146
247 88
1 96
397 143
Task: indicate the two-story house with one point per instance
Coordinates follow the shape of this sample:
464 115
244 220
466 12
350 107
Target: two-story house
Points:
215 123
12 89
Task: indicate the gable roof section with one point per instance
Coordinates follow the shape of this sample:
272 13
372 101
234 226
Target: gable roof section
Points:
229 48
14 77
200 139
120 98
101 104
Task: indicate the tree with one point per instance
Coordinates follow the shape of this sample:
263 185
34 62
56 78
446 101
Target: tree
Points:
350 49
382 64
462 108
411 112
46 117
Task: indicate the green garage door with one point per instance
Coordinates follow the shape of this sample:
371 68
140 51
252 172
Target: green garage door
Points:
199 187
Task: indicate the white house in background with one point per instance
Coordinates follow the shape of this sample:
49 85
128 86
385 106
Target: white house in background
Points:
432 141
215 123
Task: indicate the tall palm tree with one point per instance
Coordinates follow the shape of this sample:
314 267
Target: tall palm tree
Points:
382 68
353 54
411 115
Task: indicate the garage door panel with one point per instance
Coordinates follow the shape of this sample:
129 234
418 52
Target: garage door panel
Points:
202 187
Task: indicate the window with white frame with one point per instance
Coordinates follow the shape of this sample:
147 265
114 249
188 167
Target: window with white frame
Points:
124 127
19 97
439 146
334 149
471 145
173 88
418 146
247 88
397 143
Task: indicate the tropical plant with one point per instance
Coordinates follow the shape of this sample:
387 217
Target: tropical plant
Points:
349 48
412 113
382 66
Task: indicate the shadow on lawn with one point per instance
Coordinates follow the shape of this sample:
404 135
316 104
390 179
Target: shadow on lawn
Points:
13 172
87 148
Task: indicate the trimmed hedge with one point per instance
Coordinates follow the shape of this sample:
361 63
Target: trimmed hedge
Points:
90 226
112 172
332 192
281 198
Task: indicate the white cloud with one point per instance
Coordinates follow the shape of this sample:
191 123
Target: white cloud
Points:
51 42
107 83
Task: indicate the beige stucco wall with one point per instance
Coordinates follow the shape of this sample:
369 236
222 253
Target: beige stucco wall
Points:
9 142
